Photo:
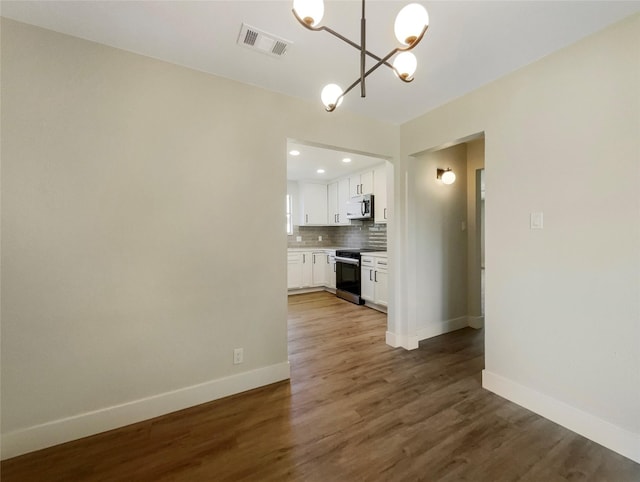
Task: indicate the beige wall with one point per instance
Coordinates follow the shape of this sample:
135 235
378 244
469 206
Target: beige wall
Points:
475 162
447 258
142 229
127 272
441 257
562 303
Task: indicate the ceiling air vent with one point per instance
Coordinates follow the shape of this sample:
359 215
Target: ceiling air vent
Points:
260 41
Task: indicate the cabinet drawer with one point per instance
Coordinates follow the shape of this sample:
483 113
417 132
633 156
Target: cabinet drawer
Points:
381 263
367 260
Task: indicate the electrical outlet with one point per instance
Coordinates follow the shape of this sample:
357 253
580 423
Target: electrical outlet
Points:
319 238
238 355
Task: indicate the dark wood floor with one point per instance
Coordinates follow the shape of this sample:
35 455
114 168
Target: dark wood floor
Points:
355 409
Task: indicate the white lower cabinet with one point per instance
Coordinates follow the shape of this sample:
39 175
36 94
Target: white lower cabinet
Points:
374 279
319 270
294 270
331 270
299 269
309 269
381 279
367 285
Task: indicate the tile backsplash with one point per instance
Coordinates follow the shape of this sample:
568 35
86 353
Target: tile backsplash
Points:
365 233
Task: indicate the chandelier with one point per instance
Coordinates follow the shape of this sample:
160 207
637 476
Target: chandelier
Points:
410 26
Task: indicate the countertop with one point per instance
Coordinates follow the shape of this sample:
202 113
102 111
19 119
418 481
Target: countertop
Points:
331 248
314 248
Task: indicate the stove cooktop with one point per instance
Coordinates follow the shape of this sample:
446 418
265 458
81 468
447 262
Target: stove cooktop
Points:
359 250
354 252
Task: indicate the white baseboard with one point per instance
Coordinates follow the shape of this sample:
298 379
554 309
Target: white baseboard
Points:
476 322
395 340
600 431
374 306
64 430
440 328
433 329
301 291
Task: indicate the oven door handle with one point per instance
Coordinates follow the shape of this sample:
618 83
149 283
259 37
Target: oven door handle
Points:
347 261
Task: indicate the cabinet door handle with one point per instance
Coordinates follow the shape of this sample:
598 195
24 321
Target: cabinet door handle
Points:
375 276
306 218
385 213
304 259
370 271
327 259
314 259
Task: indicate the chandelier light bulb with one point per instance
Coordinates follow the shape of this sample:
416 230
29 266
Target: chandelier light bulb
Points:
406 64
410 22
448 177
331 94
310 11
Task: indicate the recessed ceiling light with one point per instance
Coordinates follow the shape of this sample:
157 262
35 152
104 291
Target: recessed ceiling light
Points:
320 171
346 159
294 153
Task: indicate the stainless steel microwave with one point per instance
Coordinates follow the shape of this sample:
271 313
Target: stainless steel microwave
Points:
360 207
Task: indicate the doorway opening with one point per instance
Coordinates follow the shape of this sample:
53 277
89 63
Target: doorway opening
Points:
323 183
449 239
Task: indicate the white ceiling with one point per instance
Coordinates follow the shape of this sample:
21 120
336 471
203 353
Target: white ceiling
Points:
468 44
304 166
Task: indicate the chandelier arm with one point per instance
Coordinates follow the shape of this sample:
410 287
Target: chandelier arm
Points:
363 56
303 23
383 61
336 34
395 71
366 74
350 42
346 91
415 42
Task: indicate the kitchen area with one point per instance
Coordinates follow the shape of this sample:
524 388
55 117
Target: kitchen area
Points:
337 216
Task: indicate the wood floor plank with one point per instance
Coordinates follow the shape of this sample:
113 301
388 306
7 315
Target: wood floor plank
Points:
355 409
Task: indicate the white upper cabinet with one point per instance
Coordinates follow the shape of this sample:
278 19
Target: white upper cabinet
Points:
313 204
361 183
381 212
337 197
326 204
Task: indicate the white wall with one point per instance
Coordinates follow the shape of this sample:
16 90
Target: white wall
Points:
142 233
562 136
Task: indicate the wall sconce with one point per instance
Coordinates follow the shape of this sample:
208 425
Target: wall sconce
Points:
447 176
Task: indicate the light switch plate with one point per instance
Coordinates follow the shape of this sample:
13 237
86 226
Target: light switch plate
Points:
298 239
536 221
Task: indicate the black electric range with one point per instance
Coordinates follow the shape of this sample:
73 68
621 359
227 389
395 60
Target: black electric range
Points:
348 273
